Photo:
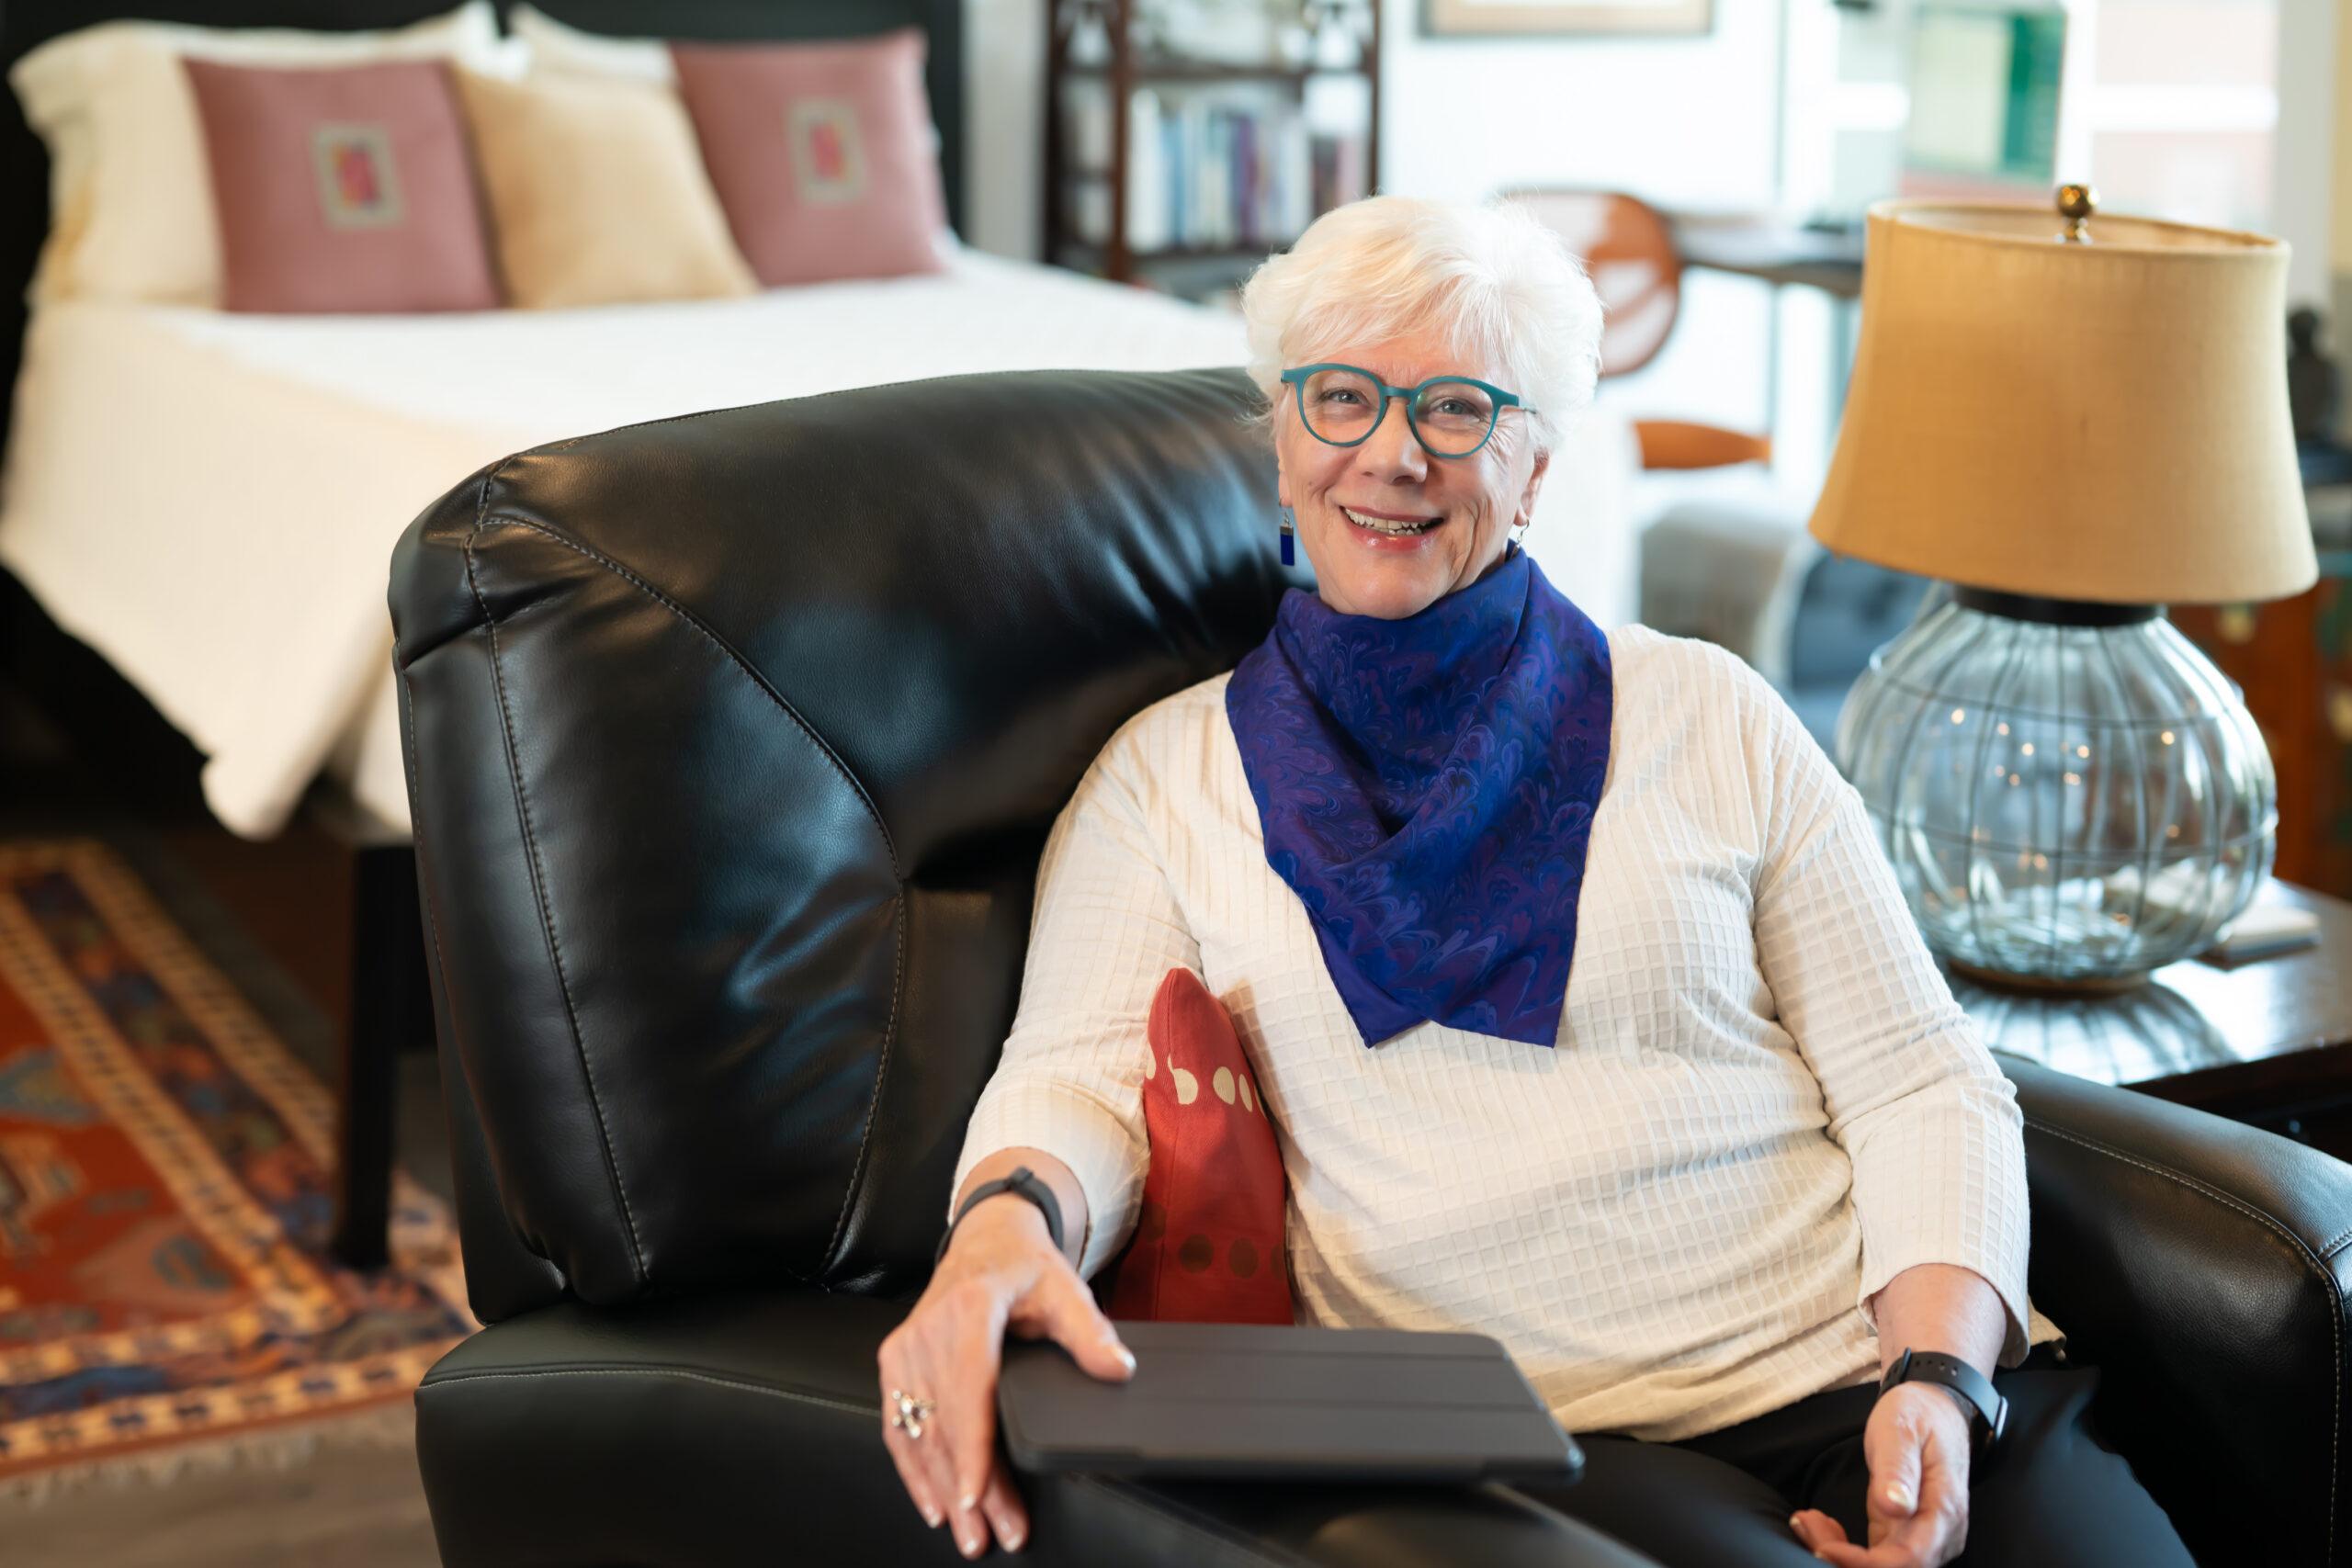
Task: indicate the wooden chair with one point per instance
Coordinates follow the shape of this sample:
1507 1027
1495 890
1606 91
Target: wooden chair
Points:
1628 250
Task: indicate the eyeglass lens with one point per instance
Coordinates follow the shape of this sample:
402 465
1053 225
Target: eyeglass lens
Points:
1342 406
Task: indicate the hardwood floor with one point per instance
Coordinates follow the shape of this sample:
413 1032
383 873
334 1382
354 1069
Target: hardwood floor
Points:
351 1505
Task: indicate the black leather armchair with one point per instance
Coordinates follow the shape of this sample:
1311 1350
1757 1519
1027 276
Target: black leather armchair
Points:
733 740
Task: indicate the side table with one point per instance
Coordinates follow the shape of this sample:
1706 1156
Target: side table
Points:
2267 1041
1768 247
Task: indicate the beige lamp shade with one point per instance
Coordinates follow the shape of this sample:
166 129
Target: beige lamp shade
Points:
2104 421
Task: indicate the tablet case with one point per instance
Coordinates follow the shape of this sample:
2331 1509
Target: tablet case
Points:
1257 1401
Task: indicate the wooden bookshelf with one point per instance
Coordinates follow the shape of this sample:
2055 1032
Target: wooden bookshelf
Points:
1249 160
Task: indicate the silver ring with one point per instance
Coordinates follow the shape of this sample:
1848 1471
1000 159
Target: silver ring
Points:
909 1412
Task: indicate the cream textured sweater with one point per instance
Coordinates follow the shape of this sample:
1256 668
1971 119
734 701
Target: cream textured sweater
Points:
1763 1106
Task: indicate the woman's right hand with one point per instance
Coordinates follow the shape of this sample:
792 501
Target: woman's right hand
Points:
1002 1272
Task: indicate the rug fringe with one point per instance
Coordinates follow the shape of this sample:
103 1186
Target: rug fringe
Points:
392 1424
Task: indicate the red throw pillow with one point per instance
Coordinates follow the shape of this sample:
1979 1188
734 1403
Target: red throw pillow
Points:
347 188
821 153
1208 1245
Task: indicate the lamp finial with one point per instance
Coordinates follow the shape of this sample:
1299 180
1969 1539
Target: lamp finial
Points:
2075 204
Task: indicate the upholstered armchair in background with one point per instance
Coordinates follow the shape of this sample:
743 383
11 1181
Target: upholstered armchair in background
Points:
1742 571
733 741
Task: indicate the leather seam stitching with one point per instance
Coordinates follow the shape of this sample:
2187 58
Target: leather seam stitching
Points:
2334 1318
1134 1498
2328 1248
799 1396
810 730
425 897
889 848
416 819
482 500
881 1072
547 918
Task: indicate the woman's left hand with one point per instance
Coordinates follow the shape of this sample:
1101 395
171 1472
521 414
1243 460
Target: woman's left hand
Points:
1916 1447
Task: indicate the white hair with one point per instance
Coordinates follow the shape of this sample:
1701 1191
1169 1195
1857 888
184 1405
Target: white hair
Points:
1492 279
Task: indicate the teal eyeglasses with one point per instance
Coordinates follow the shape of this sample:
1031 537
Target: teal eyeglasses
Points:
1451 416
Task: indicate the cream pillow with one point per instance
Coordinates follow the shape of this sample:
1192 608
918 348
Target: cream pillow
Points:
556 49
597 193
130 201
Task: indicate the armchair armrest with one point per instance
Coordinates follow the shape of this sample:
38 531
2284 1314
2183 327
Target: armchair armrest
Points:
745 1428
2202 1265
1729 570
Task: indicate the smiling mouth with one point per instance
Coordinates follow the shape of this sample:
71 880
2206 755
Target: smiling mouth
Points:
1390 525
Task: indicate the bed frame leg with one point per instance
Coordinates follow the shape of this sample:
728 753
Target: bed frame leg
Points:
387 960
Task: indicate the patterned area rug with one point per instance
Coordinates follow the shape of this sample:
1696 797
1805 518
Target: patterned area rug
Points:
165 1200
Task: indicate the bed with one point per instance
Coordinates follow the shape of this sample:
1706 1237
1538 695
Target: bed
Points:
256 627
204 575
157 494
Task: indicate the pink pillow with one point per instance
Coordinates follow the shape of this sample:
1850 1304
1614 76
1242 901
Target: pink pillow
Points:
820 152
345 188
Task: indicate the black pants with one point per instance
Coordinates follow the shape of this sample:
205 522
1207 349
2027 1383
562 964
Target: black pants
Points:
2053 1494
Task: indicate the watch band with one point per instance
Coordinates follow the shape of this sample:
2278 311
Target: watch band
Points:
1989 1411
1023 1181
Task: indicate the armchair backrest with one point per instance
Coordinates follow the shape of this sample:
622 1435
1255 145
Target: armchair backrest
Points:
733 741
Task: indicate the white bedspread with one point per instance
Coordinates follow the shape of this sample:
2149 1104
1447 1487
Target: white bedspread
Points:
210 500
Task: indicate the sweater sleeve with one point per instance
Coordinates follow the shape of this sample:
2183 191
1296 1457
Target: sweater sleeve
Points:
1106 931
1929 1122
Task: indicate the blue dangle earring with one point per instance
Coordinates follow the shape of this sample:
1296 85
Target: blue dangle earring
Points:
1290 555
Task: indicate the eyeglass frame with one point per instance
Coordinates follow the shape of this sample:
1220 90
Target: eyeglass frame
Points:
1297 377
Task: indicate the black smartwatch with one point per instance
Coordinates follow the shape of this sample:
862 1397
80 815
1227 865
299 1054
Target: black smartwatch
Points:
1023 1181
1988 1413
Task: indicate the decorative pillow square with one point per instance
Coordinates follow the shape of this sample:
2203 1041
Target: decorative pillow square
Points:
822 154
131 213
347 189
1209 1244
597 194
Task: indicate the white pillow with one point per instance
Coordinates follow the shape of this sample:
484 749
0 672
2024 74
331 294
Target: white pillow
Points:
130 195
564 51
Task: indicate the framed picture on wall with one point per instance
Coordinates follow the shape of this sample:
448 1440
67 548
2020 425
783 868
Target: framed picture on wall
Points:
1564 19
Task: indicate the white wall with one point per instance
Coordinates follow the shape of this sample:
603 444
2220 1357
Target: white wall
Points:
1684 121
1004 91
2305 153
1681 121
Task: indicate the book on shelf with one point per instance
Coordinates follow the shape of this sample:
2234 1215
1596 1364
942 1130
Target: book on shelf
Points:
1212 171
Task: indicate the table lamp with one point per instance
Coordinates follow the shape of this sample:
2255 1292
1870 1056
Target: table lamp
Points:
2073 420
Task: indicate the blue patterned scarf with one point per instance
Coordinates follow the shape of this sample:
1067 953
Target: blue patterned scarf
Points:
1427 788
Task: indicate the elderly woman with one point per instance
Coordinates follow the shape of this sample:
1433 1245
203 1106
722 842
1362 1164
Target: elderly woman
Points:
1571 971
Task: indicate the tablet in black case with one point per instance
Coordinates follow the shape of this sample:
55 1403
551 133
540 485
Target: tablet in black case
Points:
1263 1403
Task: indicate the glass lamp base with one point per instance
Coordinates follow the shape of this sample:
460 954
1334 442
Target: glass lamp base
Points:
2038 985
2062 803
